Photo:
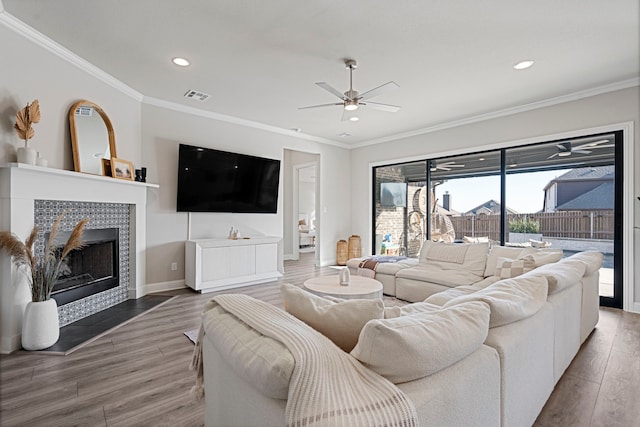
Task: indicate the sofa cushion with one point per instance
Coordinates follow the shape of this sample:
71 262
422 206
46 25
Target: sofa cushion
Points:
410 347
440 276
592 259
507 268
261 361
542 256
510 300
469 257
561 275
408 309
341 322
441 298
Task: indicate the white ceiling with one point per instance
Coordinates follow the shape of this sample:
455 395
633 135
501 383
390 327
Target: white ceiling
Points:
259 60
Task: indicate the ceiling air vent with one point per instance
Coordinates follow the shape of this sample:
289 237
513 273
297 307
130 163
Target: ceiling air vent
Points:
194 94
84 111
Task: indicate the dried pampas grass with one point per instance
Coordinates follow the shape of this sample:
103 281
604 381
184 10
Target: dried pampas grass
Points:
44 271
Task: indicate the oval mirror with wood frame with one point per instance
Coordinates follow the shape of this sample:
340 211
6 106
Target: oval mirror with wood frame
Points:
92 137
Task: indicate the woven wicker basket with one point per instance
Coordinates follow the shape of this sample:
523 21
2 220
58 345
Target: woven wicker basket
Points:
341 252
355 246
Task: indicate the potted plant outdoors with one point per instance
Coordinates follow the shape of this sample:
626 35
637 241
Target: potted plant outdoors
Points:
40 325
522 230
24 120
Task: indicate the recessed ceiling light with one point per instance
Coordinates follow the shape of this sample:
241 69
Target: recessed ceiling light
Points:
523 65
181 62
481 159
354 118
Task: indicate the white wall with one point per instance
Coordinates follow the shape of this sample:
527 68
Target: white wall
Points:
31 72
531 126
164 129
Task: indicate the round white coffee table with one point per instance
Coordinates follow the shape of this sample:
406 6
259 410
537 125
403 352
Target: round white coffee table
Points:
359 288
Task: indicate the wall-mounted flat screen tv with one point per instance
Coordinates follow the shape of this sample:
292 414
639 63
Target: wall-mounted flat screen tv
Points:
393 194
219 181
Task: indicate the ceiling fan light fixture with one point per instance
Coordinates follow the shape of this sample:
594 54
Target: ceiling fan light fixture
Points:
350 106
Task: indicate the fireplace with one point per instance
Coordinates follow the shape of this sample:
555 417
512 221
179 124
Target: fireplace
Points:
89 270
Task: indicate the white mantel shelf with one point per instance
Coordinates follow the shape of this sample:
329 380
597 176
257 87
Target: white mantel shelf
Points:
74 174
20 186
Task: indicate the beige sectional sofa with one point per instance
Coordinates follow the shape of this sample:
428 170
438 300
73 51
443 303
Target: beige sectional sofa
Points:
521 333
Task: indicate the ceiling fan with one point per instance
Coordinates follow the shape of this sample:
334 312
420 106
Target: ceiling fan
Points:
566 149
352 100
446 166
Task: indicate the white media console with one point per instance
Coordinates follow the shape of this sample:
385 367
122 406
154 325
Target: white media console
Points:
217 264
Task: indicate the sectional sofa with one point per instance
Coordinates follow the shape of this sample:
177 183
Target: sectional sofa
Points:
484 354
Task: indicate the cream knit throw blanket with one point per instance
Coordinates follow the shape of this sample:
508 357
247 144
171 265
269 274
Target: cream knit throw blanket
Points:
328 387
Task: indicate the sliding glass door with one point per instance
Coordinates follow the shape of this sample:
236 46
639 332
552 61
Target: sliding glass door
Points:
559 194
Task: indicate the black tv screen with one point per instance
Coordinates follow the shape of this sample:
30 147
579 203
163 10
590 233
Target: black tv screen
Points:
219 181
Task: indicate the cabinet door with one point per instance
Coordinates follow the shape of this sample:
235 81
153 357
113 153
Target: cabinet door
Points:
241 260
215 265
266 258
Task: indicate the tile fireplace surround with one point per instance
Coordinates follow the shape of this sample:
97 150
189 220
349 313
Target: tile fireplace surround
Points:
25 190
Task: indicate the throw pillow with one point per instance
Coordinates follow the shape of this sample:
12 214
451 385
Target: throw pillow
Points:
341 322
409 347
506 268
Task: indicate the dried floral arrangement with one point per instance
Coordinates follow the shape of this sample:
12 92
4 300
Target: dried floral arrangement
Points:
25 118
44 270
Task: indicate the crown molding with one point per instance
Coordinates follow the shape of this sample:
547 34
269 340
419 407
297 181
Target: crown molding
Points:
45 42
237 121
624 84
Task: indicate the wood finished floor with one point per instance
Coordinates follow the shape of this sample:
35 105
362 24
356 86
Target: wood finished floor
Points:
137 375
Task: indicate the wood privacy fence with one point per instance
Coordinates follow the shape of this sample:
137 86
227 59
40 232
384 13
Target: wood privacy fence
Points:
565 224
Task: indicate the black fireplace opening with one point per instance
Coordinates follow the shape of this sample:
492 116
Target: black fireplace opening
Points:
92 269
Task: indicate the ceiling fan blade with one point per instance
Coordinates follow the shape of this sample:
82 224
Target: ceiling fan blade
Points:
581 151
320 106
602 146
379 90
591 144
455 166
382 107
326 86
553 155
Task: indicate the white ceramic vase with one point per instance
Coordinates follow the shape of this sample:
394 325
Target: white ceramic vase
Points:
27 155
40 327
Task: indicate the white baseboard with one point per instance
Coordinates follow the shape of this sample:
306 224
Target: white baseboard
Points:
287 257
164 286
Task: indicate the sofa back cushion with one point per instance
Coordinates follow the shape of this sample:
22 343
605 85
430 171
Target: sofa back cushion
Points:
561 275
592 259
510 300
341 322
471 257
261 361
409 347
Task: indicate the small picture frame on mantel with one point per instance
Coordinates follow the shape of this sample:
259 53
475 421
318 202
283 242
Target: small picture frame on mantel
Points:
121 169
106 167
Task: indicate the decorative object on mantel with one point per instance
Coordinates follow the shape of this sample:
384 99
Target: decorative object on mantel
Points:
121 169
106 167
41 161
141 174
40 326
92 137
24 119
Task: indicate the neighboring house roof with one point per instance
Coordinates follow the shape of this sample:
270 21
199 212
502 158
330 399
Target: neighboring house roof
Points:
489 207
601 197
579 174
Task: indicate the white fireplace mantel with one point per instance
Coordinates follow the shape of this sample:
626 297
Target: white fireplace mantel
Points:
20 186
